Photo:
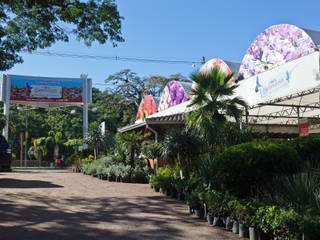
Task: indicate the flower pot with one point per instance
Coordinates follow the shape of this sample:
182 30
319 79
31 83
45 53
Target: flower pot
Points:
167 192
190 209
235 227
229 224
243 231
173 194
210 218
156 189
252 234
217 222
180 196
199 212
261 235
150 185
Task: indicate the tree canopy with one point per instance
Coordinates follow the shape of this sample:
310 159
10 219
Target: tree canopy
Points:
31 24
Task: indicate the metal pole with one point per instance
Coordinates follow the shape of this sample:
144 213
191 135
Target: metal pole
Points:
26 140
85 106
6 92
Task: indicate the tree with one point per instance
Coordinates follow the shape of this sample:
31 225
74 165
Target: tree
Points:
94 138
31 24
156 83
129 89
132 141
55 138
185 146
213 96
130 86
40 149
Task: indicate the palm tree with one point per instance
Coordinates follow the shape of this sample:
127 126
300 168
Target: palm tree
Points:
40 148
55 137
95 137
214 99
132 141
185 146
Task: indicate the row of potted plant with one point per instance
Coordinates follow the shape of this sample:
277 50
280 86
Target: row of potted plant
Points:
248 218
106 168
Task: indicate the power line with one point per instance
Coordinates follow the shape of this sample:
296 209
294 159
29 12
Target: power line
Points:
116 58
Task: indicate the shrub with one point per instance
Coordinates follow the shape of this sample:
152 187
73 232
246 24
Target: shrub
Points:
244 168
281 223
308 148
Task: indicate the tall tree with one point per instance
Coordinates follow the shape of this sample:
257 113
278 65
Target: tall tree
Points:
32 24
95 137
215 101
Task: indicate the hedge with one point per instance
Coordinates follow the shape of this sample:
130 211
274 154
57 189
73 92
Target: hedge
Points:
242 169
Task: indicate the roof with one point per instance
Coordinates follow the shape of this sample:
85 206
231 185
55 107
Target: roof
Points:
280 96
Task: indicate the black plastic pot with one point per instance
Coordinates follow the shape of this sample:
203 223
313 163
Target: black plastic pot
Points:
190 209
199 212
173 194
261 235
180 197
217 222
243 231
156 189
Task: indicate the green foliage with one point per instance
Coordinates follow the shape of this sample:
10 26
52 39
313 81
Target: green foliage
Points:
2 121
184 146
243 169
281 223
213 97
29 25
132 141
107 168
308 148
94 137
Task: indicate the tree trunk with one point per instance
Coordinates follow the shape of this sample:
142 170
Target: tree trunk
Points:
95 150
132 150
182 166
40 157
56 150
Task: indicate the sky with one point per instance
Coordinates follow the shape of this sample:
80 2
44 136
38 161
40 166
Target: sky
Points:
173 30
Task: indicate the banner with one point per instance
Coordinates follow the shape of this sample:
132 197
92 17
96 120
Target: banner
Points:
293 77
39 89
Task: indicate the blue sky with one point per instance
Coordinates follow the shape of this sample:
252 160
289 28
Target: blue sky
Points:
174 30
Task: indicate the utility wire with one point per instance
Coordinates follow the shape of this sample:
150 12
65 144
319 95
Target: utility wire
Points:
115 58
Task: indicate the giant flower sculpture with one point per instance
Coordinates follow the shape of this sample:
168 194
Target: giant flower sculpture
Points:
277 45
173 94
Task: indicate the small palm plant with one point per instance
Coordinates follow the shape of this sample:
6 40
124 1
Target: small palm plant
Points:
214 98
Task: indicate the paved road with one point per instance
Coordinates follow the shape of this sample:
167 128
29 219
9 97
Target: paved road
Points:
48 205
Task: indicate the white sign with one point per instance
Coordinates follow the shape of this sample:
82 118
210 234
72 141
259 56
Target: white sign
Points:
295 76
40 91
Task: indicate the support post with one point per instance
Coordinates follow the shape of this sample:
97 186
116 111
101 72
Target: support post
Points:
26 140
6 108
21 148
156 140
85 106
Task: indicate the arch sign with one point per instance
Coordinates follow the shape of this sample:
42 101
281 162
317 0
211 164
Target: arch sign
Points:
45 92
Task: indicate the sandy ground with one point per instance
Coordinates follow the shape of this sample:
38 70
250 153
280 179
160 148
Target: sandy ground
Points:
57 204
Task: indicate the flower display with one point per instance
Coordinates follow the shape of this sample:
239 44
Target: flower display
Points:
147 107
172 94
277 45
72 93
209 66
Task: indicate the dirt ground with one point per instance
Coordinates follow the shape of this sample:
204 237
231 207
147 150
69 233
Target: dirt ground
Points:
57 204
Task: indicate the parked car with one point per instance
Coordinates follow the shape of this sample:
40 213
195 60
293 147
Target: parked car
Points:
5 155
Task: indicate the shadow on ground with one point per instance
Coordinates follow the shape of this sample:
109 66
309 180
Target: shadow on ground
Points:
103 218
16 183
